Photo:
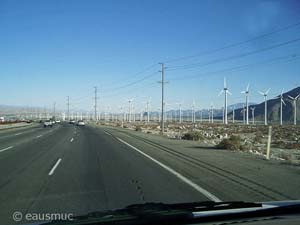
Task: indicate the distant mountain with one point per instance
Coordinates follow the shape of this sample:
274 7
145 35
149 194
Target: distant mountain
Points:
273 109
239 105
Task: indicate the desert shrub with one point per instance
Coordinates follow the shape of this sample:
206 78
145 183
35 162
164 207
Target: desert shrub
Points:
258 138
232 143
195 136
138 128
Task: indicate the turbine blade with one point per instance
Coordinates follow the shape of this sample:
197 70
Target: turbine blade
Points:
243 92
260 92
247 89
225 83
229 92
297 96
268 91
291 97
283 102
221 92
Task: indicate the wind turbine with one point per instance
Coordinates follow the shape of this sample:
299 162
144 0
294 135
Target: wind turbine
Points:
147 108
281 101
129 109
243 111
246 92
212 112
253 118
193 112
180 114
225 91
233 113
295 107
265 94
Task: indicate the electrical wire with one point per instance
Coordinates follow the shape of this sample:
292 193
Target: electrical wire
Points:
236 44
188 66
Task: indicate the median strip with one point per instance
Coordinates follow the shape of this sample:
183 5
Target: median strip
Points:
54 167
178 175
4 149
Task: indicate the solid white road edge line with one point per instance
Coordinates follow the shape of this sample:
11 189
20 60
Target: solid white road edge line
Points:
107 133
4 149
178 175
18 134
54 167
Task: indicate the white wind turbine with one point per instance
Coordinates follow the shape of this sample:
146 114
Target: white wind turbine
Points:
147 109
180 113
129 109
225 91
295 107
243 111
193 112
281 102
233 113
253 117
212 112
246 92
265 94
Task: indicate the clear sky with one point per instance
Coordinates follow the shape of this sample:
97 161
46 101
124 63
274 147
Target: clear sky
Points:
57 48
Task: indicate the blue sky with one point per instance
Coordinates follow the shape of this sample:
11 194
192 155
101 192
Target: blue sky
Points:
53 49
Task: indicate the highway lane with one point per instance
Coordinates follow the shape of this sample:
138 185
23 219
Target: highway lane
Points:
15 136
82 169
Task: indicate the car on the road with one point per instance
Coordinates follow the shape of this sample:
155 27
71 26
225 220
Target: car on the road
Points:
80 123
57 121
72 122
48 123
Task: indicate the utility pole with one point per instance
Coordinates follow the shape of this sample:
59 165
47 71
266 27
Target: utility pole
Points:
95 102
68 104
162 96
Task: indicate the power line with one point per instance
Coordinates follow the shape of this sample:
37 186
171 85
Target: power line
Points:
236 44
132 83
289 57
188 66
110 86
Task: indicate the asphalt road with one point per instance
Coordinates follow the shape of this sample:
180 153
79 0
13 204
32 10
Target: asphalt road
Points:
77 170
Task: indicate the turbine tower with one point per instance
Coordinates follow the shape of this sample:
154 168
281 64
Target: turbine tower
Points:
252 110
281 101
265 94
233 114
246 92
225 91
212 112
180 114
295 107
129 109
193 112
148 116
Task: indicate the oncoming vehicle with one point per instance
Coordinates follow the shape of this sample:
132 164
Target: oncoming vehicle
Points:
72 122
48 123
80 123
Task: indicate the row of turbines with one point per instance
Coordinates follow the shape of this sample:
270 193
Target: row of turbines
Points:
226 92
265 96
